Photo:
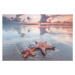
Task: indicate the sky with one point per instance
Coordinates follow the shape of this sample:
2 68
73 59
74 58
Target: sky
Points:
36 17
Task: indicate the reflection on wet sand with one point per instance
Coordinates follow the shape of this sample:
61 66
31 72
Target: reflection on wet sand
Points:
66 29
43 29
22 36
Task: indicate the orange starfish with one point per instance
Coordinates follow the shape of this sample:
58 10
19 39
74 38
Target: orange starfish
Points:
28 51
43 46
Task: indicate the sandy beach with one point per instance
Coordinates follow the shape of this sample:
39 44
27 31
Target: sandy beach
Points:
17 38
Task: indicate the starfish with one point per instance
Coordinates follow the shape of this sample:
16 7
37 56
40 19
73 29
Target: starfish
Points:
43 46
28 51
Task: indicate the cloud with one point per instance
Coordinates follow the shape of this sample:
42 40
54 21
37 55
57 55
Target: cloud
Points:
36 18
19 15
58 22
18 18
7 20
61 15
62 18
58 17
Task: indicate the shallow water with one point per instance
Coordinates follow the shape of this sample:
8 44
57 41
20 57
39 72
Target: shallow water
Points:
18 37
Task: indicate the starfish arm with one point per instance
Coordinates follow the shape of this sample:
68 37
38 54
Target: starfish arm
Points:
50 47
42 49
26 55
23 51
32 53
32 49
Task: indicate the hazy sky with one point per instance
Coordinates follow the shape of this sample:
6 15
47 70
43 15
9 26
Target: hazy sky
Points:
36 17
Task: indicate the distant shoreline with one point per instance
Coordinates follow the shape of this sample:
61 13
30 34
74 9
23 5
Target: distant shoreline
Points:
16 23
55 23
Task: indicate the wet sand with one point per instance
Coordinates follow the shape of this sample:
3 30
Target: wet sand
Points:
17 38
